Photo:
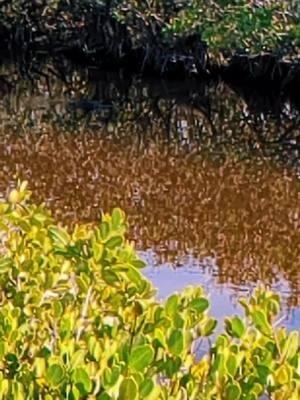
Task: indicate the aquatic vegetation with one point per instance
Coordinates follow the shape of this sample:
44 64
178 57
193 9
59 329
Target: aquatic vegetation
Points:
79 320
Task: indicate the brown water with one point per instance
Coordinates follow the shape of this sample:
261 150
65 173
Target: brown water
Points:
209 179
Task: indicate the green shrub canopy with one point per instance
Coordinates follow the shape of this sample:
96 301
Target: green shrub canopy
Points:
78 320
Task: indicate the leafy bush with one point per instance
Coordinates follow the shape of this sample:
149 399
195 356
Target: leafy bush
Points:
226 26
234 25
79 321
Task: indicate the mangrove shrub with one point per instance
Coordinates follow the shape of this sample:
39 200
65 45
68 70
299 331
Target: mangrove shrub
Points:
78 320
106 28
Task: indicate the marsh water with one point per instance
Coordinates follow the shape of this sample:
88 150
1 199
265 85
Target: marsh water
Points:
208 174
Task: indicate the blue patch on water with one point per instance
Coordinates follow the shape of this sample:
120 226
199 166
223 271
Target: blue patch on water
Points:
223 298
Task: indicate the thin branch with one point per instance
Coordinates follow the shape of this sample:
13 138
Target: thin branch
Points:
84 313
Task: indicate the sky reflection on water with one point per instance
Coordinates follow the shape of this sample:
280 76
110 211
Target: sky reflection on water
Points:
223 298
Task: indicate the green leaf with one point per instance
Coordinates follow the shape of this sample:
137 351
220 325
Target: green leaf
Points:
58 309
94 348
75 394
200 305
154 394
11 358
117 218
209 327
274 306
59 236
104 230
5 384
65 329
77 359
141 357
55 375
104 396
176 342
3 226
24 225
6 264
39 364
159 338
172 366
97 251
178 321
283 375
138 377
111 376
39 219
3 347
14 196
83 285
233 392
134 275
263 372
261 322
18 391
291 345
235 327
114 242
232 364
257 390
139 264
146 387
110 276
128 390
245 304
172 304
82 381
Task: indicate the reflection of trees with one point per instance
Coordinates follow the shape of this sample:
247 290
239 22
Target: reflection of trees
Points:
221 120
187 163
246 213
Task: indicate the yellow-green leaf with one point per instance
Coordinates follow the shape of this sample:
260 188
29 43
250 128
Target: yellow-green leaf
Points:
55 375
176 342
59 236
141 357
128 390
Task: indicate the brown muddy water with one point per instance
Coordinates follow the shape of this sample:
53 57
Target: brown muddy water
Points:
207 174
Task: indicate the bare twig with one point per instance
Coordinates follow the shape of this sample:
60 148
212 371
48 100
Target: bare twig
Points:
84 313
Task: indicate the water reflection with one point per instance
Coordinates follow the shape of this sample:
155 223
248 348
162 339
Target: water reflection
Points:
223 297
198 170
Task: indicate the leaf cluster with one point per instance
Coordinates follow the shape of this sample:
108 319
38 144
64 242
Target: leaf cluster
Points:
78 320
226 26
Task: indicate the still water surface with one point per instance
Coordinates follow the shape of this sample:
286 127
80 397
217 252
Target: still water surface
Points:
208 176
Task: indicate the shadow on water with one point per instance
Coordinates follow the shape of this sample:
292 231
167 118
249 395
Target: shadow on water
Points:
203 171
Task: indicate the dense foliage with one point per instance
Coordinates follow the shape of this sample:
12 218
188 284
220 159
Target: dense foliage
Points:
228 25
225 26
78 320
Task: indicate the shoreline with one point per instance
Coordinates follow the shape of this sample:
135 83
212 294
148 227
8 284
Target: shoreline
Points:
238 41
